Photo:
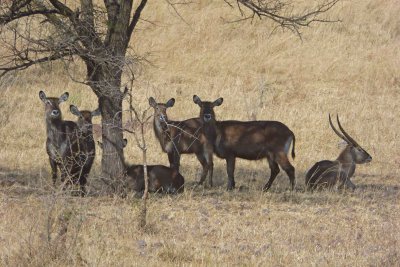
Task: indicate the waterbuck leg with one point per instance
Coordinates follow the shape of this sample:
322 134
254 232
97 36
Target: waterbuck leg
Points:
274 172
283 161
210 167
53 165
82 183
230 168
174 160
204 165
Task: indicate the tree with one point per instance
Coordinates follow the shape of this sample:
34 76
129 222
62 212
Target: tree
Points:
98 33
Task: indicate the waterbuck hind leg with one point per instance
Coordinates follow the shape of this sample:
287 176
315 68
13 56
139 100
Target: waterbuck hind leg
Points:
230 168
274 172
284 162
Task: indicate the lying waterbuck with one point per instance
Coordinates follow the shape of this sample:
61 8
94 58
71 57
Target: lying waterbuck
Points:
182 137
86 149
161 178
62 142
250 140
328 173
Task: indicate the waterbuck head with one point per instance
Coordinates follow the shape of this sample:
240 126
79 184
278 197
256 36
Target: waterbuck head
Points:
160 111
84 118
52 108
207 113
358 154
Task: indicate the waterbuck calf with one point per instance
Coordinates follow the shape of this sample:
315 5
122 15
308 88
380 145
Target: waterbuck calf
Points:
62 142
86 149
161 179
252 140
329 173
182 137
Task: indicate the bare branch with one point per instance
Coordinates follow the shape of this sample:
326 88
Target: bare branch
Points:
281 13
136 17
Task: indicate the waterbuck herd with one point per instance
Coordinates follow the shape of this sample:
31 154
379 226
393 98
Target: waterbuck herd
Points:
71 148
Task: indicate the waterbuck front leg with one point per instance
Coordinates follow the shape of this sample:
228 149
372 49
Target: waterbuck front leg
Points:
204 165
210 165
82 183
274 172
230 168
174 159
53 165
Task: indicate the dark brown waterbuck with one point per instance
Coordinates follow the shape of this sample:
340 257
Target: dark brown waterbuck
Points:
252 140
62 142
329 173
182 137
86 149
161 179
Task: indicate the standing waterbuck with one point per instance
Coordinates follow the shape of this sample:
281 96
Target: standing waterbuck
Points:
87 149
62 142
328 173
182 137
252 140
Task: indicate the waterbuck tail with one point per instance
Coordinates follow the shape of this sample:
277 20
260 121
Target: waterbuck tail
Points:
294 141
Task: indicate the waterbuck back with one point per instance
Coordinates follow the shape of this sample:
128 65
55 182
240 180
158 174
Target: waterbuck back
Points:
327 173
182 137
62 141
251 140
86 149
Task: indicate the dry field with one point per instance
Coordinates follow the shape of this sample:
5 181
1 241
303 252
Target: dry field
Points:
351 68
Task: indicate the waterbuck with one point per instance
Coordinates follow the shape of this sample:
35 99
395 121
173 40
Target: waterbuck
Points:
86 149
252 140
182 137
161 179
328 173
62 142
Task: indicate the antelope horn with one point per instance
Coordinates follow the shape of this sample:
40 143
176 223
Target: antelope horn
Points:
348 137
336 131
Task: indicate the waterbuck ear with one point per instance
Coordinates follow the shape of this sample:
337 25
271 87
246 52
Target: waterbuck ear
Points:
218 102
152 102
74 110
42 96
97 112
124 142
342 144
63 97
170 103
197 100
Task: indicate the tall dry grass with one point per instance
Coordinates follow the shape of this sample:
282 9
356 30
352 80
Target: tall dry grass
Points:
350 68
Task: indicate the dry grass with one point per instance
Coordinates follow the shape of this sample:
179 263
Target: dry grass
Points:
351 68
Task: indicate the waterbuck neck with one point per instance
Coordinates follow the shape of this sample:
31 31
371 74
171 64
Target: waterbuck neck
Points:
346 156
55 130
161 133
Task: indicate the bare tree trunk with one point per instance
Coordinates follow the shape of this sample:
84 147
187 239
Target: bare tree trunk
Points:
112 161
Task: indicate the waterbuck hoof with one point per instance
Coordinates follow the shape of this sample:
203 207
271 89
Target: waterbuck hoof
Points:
230 187
265 189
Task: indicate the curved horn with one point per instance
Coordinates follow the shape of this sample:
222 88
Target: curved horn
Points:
348 137
336 131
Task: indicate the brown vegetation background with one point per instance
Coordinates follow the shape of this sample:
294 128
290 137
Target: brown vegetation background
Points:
350 68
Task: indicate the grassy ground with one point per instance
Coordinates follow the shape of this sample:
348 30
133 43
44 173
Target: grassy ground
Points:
350 68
